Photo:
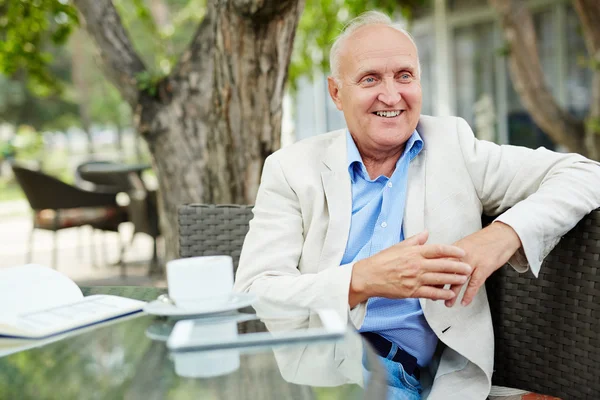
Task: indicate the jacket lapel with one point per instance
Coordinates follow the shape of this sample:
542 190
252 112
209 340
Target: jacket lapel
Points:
414 211
338 192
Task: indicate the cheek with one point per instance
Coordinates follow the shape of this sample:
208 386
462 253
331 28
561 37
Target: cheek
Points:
364 100
412 95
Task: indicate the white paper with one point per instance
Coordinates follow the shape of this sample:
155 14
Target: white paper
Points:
37 302
31 287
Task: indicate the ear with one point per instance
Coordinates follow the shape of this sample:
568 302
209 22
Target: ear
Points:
334 92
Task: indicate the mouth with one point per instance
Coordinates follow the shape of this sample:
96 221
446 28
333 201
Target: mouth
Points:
388 114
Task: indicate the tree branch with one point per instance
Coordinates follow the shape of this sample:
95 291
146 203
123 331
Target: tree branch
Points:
121 63
589 15
528 77
197 56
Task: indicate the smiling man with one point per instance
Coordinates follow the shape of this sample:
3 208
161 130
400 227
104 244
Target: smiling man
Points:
382 221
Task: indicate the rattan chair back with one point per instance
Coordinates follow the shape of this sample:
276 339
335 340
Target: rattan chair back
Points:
206 230
547 330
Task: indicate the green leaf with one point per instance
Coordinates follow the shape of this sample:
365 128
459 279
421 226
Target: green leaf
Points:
27 28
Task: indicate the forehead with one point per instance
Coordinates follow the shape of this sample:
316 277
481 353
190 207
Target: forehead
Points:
377 47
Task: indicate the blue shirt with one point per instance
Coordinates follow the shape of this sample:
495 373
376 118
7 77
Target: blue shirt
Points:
377 215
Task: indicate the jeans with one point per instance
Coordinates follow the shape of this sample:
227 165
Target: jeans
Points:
401 386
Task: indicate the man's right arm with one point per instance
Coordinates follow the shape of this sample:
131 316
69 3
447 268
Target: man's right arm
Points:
273 248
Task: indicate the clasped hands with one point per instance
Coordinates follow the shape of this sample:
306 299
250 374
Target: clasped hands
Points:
415 269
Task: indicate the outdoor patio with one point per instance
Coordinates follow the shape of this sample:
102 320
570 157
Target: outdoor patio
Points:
76 247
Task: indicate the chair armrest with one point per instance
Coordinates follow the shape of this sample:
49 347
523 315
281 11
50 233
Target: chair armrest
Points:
549 325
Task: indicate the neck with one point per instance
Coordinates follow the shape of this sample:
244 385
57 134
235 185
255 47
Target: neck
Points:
382 164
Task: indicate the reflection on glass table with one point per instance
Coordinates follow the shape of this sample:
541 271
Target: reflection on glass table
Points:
129 359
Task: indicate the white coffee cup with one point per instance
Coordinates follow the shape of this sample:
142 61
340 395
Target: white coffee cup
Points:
209 363
199 279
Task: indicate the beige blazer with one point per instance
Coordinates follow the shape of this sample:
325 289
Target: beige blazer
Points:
302 216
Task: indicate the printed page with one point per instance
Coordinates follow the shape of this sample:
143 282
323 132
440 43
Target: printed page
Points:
88 311
28 288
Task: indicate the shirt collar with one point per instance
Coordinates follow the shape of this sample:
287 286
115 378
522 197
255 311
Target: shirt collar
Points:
413 147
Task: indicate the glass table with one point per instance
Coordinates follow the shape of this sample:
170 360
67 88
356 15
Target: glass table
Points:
127 359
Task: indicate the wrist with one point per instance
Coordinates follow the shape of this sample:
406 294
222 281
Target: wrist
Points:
509 237
358 291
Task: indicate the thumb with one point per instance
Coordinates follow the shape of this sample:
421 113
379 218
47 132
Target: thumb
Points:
415 240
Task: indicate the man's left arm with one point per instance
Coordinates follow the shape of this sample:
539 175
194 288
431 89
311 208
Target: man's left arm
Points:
539 194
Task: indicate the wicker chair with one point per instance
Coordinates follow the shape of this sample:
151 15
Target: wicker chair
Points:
57 205
207 230
547 329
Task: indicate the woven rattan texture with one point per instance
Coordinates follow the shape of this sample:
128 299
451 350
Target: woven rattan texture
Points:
547 329
208 230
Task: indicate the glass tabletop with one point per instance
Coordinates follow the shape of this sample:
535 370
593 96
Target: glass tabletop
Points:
128 358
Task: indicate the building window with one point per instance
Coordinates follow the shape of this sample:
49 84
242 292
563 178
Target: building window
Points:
522 130
425 45
474 78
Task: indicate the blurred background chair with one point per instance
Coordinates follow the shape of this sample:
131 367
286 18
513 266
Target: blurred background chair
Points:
57 205
142 207
208 229
143 213
546 328
105 183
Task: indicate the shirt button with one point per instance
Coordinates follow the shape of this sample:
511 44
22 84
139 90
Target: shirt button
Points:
384 224
389 184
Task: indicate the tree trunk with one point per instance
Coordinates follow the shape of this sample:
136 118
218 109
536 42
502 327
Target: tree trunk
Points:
589 15
216 118
528 77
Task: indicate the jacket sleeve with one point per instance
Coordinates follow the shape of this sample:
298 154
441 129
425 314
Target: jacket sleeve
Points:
539 193
273 248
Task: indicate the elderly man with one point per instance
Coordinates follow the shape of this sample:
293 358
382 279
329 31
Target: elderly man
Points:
382 220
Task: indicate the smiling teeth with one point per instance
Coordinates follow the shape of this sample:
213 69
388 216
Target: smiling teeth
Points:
388 114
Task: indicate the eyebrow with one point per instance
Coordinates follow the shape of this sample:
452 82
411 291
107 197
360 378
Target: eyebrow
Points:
367 72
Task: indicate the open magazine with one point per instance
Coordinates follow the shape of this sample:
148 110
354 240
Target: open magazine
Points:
37 302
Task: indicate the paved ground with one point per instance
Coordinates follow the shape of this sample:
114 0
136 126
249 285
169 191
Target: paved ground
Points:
77 250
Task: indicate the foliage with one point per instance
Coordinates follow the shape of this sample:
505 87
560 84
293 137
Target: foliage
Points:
19 105
105 105
593 125
26 29
32 90
323 20
160 33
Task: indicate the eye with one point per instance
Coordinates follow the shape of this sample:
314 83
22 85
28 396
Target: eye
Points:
405 77
369 80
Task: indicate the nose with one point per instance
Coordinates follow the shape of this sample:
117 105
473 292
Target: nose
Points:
390 95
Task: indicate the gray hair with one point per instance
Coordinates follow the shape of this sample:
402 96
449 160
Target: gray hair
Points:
365 19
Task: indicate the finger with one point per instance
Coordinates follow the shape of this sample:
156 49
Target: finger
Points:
441 251
433 293
448 266
456 289
436 279
477 279
415 240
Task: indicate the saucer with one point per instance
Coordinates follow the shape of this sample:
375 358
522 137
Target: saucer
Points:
230 302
